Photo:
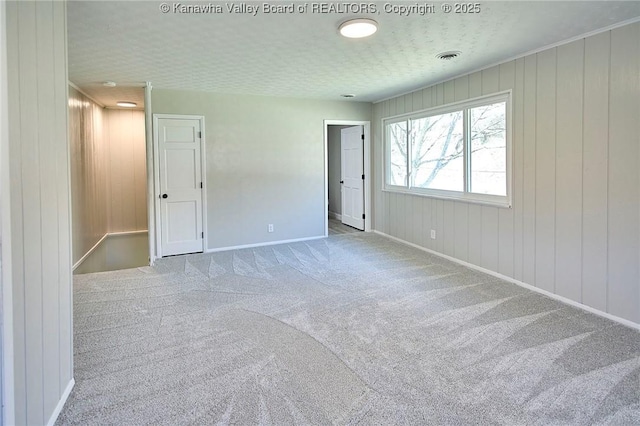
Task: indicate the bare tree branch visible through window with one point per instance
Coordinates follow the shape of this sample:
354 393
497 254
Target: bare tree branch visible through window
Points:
436 142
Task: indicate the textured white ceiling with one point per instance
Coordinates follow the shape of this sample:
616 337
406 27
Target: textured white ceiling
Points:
301 54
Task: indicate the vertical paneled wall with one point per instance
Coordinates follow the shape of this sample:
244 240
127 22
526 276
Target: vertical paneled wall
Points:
89 159
127 173
39 204
5 283
574 227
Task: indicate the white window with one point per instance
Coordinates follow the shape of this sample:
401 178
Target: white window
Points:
459 151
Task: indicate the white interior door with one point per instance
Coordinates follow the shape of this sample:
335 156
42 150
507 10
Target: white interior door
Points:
180 173
352 165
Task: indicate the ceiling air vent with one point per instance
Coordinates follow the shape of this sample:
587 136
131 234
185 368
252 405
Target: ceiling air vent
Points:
447 56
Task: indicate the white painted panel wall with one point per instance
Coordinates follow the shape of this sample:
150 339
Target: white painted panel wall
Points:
595 163
623 191
39 204
88 172
6 298
574 227
127 172
506 217
569 137
545 179
265 162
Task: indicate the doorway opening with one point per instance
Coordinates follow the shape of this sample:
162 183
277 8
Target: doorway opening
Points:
108 182
347 176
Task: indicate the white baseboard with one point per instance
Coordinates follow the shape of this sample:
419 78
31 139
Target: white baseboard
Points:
270 243
336 216
519 283
63 400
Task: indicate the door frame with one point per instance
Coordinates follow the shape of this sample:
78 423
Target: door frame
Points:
366 167
157 228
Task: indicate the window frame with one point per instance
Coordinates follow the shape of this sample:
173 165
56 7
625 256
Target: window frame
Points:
464 106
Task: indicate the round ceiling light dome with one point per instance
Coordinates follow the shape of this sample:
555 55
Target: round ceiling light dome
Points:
358 28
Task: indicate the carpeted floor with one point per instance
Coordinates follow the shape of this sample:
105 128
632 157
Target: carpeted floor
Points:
352 329
336 227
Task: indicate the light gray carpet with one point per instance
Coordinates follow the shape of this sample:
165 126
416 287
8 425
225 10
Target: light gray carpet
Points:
352 329
336 227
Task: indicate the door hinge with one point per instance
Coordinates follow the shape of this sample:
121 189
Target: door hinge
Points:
362 177
201 185
363 215
200 134
363 136
202 234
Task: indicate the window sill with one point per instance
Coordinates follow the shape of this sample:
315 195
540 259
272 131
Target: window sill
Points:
460 197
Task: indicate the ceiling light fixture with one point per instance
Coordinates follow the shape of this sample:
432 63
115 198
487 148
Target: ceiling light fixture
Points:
127 104
109 84
348 95
358 28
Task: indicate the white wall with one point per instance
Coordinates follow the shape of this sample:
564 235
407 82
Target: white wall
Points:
265 162
335 171
6 298
39 245
574 226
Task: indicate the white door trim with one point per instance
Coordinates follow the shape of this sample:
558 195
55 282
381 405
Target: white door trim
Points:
7 382
367 169
151 206
156 178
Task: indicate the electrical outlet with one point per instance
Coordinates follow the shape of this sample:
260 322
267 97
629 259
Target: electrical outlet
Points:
271 227
433 234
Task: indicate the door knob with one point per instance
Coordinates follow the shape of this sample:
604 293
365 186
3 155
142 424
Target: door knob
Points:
165 196
341 181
